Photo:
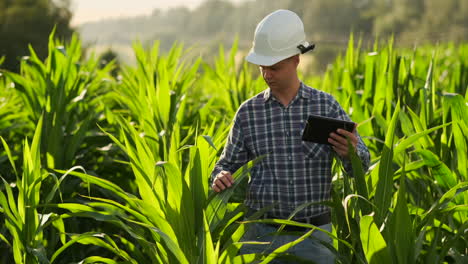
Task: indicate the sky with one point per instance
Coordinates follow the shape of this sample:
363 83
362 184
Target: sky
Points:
92 10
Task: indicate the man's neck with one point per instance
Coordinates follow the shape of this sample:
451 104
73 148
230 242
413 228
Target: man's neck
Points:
286 95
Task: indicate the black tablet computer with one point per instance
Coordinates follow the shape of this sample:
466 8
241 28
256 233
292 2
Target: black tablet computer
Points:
318 128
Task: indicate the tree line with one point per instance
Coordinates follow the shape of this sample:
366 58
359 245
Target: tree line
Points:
327 23
25 22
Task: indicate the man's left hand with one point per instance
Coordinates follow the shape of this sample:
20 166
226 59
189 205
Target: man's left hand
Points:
340 143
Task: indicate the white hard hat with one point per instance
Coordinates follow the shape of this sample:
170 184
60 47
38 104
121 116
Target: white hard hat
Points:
278 36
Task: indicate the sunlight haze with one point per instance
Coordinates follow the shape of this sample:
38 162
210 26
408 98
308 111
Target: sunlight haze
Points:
93 10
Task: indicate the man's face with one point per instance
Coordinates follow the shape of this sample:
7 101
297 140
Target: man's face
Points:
279 75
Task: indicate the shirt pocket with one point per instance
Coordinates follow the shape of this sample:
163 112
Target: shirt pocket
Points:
314 150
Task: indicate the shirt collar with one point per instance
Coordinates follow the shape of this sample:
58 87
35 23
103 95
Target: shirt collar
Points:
302 93
267 94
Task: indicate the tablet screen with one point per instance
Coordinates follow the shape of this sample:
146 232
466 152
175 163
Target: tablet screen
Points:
318 128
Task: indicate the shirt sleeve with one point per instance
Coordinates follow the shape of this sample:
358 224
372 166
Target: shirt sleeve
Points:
361 148
235 153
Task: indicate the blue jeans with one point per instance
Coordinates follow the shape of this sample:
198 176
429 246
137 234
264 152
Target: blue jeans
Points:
310 249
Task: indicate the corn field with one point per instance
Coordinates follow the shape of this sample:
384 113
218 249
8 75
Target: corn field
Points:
103 169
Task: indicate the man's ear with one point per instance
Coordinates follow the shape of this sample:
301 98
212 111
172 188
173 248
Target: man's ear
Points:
296 60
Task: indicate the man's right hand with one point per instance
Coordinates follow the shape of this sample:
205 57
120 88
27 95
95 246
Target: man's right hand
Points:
222 181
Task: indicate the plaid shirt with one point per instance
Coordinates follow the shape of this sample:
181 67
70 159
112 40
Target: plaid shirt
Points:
293 172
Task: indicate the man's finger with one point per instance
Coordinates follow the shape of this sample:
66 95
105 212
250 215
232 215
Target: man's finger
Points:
227 175
218 183
352 137
337 140
215 188
341 149
340 152
222 181
342 140
344 132
225 180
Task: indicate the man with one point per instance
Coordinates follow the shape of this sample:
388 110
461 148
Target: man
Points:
294 172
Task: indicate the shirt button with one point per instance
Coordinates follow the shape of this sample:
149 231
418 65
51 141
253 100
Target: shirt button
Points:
287 133
290 182
289 157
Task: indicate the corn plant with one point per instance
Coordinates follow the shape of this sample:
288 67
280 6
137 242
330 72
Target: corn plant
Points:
67 92
175 220
14 124
167 119
227 84
25 222
405 145
154 94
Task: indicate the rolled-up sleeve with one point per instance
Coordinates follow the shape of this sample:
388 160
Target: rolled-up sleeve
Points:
361 148
235 153
363 154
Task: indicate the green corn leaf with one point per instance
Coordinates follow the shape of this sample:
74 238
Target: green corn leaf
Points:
360 181
8 204
10 157
231 246
369 80
2 237
97 259
103 183
60 226
406 124
440 171
443 202
452 193
217 201
451 243
404 144
75 207
105 241
403 236
348 207
413 166
18 247
284 222
374 246
207 253
40 253
420 127
172 246
384 188
85 238
198 190
282 249
180 210
246 258
209 140
419 243
462 149
133 250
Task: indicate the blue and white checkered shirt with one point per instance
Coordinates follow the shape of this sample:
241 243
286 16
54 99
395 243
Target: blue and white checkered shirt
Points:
293 172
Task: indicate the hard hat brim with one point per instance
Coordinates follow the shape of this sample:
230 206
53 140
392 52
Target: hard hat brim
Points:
257 59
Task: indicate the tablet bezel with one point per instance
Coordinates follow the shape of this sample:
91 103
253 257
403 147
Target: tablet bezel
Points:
318 128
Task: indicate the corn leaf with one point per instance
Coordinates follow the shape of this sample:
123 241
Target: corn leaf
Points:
373 244
384 188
